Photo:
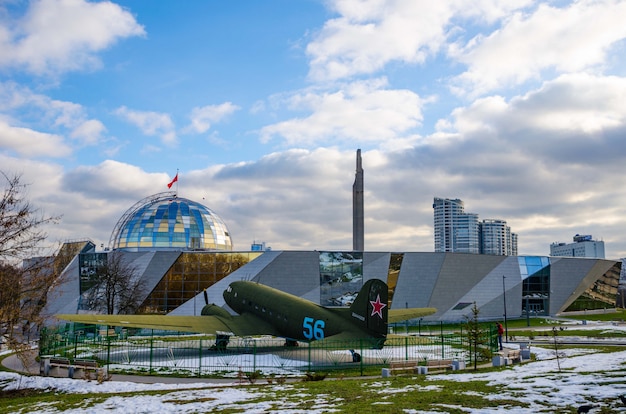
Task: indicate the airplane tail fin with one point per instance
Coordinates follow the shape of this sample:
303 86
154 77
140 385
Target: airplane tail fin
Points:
370 307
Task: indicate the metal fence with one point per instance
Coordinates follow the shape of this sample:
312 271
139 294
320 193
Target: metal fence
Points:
202 356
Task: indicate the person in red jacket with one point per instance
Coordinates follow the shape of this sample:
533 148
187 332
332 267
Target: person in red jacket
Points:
500 333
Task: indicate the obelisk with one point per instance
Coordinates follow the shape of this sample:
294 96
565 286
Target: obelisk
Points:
358 215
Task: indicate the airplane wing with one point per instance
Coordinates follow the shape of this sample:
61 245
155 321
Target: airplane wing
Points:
242 325
399 315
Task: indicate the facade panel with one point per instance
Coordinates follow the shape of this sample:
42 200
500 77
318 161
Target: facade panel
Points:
418 277
450 282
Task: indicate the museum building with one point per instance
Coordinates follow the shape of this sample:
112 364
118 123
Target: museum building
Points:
180 248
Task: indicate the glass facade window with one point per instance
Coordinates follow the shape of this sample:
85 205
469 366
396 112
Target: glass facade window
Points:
341 277
535 273
395 264
191 274
601 294
90 265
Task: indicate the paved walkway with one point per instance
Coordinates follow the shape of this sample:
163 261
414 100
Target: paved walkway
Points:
31 366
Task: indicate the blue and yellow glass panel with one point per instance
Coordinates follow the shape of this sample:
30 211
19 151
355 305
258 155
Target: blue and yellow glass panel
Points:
175 223
530 265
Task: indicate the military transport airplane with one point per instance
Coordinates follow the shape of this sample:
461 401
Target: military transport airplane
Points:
263 310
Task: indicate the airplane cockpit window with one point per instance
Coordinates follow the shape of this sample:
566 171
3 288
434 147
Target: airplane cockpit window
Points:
229 289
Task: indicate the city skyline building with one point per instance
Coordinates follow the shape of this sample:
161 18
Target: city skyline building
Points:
446 214
496 238
461 232
582 246
514 251
467 233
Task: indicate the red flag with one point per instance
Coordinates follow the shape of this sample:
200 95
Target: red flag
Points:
173 181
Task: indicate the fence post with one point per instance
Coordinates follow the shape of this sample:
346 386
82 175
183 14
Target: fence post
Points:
361 353
200 359
253 356
406 348
151 350
108 351
75 344
442 342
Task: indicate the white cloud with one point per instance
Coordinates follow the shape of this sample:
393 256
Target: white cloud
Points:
202 117
569 39
576 102
369 34
89 131
115 179
151 123
43 113
56 36
29 143
571 110
358 112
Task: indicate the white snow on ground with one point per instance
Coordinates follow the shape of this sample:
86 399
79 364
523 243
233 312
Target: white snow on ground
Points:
583 377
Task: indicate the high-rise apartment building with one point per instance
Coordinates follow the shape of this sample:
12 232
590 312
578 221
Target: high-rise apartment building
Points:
445 212
496 238
467 231
455 230
513 244
583 246
458 231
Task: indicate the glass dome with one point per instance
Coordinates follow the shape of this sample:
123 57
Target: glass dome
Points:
167 222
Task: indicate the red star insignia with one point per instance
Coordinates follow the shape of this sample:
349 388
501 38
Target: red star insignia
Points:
378 307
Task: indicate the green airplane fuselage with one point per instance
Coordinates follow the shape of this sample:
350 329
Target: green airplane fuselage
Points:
293 317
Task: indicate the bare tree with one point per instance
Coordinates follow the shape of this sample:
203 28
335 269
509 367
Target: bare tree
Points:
116 287
25 280
23 293
20 223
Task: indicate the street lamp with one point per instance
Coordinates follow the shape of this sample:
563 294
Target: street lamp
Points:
506 328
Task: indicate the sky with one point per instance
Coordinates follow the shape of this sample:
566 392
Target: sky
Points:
518 108
576 378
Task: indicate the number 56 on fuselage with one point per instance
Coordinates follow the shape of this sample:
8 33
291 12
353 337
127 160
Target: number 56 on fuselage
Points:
263 310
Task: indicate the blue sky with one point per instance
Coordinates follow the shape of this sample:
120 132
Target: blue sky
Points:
515 107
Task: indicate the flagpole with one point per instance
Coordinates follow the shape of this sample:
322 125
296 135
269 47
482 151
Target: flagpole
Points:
176 183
